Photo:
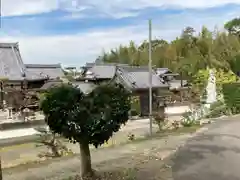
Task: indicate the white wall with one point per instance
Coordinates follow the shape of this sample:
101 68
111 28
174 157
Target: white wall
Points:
171 110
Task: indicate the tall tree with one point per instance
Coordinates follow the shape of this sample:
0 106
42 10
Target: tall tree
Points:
86 119
188 53
233 26
235 64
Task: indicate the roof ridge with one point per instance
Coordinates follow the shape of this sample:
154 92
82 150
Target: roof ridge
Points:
57 65
19 61
9 45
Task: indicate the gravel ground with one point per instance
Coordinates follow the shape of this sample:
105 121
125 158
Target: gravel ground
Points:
22 153
60 169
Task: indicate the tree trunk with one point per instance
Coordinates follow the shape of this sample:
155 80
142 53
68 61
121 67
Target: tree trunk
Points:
86 167
1 169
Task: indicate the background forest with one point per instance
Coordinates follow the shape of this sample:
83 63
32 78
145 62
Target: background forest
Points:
188 53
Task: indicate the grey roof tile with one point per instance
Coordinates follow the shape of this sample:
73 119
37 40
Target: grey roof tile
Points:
11 64
31 76
51 71
50 84
43 65
138 77
101 71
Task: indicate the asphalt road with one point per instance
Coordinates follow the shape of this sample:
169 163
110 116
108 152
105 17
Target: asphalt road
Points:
212 155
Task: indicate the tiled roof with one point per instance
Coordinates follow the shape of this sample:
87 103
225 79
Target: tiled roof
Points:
11 64
132 76
51 84
101 72
32 76
51 71
43 65
138 77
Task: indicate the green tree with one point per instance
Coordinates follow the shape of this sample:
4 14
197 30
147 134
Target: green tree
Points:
86 119
235 64
188 53
222 77
233 26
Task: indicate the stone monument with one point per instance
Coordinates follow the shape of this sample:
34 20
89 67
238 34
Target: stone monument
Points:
201 111
211 89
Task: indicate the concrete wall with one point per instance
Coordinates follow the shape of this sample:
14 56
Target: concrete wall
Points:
177 110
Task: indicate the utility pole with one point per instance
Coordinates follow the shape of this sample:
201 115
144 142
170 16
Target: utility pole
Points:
150 75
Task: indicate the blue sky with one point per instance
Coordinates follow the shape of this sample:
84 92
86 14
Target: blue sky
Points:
73 32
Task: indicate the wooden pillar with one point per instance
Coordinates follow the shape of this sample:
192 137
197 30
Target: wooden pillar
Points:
25 84
1 93
22 85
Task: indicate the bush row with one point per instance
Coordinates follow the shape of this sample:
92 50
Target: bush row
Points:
231 93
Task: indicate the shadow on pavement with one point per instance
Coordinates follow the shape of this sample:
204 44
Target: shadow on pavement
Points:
207 157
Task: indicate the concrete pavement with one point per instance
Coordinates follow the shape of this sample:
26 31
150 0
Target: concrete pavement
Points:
212 155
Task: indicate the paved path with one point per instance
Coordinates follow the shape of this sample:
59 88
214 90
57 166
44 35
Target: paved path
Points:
212 155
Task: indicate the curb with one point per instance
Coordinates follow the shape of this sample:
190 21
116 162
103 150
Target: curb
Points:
18 140
21 124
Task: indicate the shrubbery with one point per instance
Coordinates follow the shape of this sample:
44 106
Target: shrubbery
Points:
86 118
231 93
218 109
200 80
188 120
135 106
159 118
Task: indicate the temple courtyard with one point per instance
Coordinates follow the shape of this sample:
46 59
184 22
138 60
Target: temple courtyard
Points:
205 154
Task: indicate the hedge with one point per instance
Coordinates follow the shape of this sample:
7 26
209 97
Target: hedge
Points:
231 93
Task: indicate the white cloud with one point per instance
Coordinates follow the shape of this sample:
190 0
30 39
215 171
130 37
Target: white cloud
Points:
73 49
76 49
21 7
79 48
122 7
128 4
